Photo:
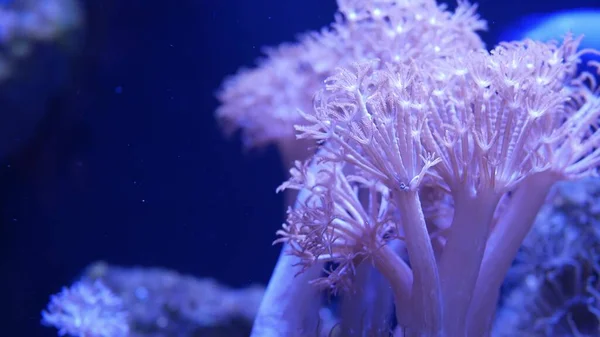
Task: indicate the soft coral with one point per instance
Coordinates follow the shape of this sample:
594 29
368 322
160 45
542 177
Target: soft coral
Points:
479 126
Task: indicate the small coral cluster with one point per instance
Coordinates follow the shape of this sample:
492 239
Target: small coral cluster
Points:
87 309
112 301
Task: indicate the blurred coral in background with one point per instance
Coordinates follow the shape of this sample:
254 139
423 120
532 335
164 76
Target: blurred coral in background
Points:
112 301
87 309
26 23
36 38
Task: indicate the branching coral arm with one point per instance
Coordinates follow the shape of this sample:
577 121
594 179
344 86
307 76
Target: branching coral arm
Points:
449 134
493 126
400 278
461 259
375 118
334 226
369 304
502 247
291 303
458 113
425 298
569 152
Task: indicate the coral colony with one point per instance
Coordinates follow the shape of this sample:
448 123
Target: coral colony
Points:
433 157
421 160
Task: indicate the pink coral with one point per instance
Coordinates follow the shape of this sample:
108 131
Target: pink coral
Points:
414 115
478 126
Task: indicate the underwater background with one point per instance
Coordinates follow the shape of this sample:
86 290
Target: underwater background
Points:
113 153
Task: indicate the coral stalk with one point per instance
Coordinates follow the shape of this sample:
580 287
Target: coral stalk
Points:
502 247
400 277
291 304
426 297
465 247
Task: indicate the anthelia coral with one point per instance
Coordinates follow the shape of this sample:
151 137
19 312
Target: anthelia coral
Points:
487 129
478 127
